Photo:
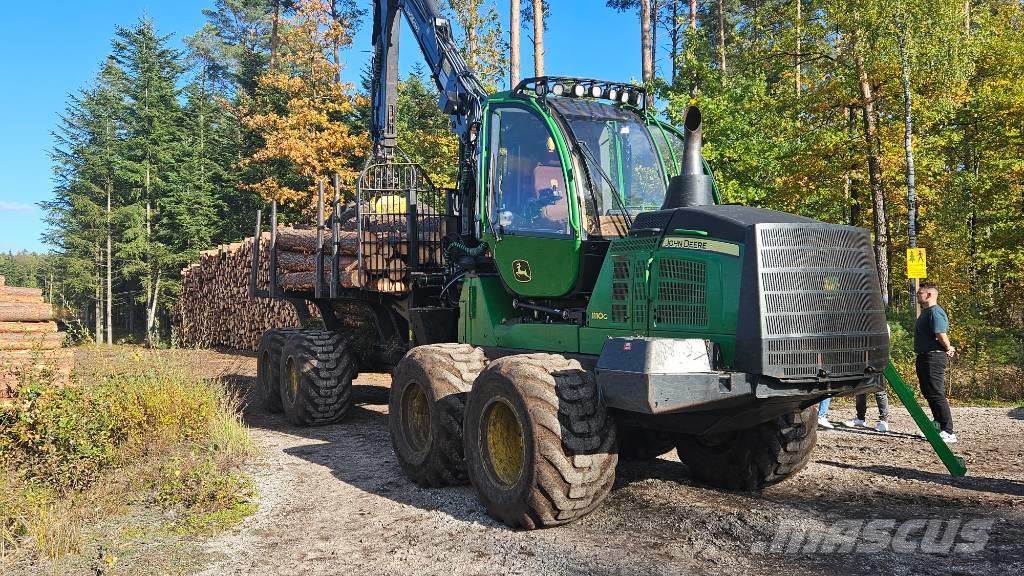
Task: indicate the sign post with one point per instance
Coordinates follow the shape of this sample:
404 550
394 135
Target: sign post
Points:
917 268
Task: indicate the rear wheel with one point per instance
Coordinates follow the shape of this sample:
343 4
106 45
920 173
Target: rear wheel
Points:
540 445
317 369
268 368
426 408
753 458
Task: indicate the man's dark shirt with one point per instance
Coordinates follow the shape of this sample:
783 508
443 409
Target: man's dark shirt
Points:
931 322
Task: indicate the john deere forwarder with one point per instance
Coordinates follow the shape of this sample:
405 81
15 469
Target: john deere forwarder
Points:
594 299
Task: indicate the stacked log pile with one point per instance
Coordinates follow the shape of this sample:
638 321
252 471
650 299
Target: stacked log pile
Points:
214 307
296 258
385 253
30 344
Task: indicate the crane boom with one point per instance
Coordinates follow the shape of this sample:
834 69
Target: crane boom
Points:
462 94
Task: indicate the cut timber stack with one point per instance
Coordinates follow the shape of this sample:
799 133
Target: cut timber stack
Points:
296 258
214 307
385 254
30 345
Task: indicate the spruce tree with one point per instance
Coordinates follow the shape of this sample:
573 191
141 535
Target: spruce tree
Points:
86 158
153 142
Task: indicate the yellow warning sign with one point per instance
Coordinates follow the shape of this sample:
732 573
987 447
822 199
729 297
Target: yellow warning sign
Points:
917 263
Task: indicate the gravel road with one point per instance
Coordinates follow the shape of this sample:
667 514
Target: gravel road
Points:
334 501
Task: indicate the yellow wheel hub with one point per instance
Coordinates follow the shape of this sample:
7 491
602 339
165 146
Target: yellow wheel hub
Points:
505 447
417 416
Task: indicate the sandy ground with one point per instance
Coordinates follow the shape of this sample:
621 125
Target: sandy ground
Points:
334 501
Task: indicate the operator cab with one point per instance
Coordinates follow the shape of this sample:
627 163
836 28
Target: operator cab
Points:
566 165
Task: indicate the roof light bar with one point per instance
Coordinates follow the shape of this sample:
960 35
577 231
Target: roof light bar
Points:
567 87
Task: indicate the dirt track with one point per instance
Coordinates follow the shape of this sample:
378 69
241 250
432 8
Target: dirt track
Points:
334 501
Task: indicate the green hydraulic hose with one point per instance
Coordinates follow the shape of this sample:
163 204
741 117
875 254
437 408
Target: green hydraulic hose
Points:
954 463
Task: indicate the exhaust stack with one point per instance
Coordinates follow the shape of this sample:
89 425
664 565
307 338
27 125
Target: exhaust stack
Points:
691 187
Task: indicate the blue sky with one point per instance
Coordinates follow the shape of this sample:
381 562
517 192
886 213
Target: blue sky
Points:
53 50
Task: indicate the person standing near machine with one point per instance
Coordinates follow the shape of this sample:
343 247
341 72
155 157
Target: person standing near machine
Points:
882 401
933 349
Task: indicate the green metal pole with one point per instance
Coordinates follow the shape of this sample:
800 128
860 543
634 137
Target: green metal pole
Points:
954 463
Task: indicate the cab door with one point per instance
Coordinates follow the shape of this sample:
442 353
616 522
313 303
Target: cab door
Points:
529 214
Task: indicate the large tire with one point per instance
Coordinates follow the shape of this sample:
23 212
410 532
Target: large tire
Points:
637 443
317 369
268 368
753 458
426 408
540 445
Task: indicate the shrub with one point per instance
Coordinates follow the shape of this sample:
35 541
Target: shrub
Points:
200 488
56 436
167 429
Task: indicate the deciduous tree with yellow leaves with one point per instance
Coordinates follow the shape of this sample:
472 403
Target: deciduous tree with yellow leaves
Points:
303 114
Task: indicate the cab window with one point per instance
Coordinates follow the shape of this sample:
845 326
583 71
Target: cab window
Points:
665 149
627 178
527 181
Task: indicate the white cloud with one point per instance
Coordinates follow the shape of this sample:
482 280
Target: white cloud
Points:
6 206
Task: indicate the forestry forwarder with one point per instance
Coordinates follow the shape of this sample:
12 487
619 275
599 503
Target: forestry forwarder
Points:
581 295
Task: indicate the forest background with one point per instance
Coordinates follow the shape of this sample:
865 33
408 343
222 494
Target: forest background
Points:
902 116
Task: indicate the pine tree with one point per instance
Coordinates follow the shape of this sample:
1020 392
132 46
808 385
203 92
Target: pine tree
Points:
482 40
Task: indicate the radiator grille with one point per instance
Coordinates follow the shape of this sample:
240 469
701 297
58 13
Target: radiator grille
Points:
682 293
629 280
821 305
631 245
639 300
648 220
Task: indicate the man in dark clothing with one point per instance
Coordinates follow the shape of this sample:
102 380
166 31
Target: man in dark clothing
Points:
933 349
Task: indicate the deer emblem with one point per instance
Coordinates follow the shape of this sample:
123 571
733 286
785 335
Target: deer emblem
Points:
521 270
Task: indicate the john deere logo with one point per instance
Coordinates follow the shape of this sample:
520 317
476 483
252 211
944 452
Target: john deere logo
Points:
521 270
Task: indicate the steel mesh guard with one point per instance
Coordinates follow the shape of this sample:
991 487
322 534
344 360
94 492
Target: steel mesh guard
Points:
401 224
629 281
681 294
821 307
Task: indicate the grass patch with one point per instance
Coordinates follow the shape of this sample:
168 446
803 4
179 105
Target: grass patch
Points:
137 429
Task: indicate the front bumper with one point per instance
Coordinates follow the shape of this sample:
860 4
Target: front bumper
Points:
669 375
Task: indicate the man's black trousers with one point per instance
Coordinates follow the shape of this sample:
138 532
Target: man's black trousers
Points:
931 373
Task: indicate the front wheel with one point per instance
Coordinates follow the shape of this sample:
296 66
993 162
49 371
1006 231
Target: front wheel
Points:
425 411
753 458
540 445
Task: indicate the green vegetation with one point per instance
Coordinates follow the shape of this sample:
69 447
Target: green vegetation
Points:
24 268
137 431
823 107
